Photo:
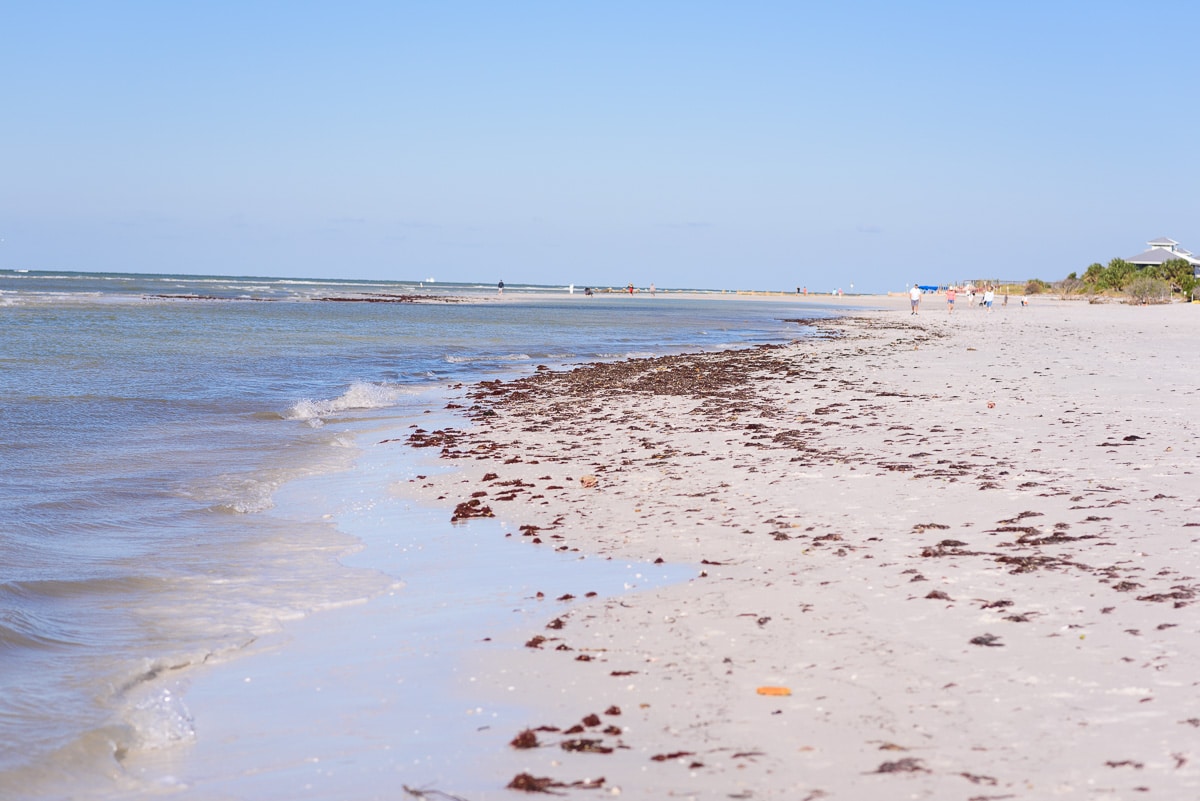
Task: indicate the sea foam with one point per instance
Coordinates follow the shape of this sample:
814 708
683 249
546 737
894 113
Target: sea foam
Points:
360 395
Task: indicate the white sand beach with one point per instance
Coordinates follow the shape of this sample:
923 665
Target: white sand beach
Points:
967 546
962 550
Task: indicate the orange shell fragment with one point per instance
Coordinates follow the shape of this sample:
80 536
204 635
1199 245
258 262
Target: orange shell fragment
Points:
774 691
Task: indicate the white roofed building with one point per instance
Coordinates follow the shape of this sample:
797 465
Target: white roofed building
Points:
1164 250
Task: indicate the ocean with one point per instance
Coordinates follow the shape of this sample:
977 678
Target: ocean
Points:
151 425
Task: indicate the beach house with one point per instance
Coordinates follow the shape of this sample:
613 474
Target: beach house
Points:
1164 250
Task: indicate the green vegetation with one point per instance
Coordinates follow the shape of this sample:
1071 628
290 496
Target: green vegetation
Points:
1177 273
1070 286
1114 277
1152 284
1118 279
1144 289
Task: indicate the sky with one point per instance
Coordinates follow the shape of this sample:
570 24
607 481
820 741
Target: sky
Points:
725 145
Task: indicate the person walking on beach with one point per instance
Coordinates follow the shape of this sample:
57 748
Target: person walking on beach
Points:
950 296
500 288
914 297
989 296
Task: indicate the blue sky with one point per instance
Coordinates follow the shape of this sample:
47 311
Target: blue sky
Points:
753 145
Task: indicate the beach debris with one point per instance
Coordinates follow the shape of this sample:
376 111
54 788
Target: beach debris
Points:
1019 518
1181 595
440 438
673 755
751 754
469 509
989 640
613 710
369 297
589 482
532 784
526 739
592 720
544 784
773 691
535 641
905 765
938 595
991 404
586 745
557 623
975 778
432 795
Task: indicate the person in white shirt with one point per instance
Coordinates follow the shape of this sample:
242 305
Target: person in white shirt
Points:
914 296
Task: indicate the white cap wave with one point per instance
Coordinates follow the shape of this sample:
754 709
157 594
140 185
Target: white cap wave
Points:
360 395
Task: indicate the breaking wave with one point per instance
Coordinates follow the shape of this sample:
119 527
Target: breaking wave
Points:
360 395
511 357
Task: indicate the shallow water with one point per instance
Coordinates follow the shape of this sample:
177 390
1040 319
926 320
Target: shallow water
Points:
145 444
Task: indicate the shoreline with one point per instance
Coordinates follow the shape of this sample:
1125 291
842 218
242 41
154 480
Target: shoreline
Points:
962 600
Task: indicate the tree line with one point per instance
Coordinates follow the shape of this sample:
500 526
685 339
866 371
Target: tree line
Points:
1149 284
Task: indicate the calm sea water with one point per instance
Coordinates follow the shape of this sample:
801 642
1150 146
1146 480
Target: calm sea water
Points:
146 424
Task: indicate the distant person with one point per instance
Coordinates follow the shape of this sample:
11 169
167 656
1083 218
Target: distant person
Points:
587 291
500 287
989 296
914 298
630 289
950 296
652 290
806 292
1005 303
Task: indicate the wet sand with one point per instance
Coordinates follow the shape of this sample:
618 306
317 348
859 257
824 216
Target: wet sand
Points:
941 556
